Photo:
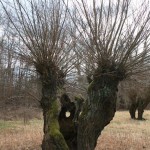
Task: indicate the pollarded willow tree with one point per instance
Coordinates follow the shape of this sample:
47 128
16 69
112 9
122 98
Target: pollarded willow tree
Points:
42 29
112 35
136 93
139 100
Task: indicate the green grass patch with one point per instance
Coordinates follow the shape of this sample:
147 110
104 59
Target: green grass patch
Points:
6 125
15 124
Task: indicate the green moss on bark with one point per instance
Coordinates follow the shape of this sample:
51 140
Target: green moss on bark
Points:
53 137
98 111
54 129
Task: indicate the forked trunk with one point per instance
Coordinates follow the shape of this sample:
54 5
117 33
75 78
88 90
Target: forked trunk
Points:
98 111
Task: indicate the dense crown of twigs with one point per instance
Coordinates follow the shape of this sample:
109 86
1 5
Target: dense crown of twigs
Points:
111 36
113 33
43 30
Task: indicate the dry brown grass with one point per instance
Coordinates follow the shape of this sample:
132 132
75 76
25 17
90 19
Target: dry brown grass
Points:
122 134
17 136
126 134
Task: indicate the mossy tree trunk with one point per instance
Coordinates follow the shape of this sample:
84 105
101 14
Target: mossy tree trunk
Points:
52 80
98 111
53 139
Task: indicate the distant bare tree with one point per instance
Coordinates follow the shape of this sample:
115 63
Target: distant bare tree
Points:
14 79
138 102
135 93
7 65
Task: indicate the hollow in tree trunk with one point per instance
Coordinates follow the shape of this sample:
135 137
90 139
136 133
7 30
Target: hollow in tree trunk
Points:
66 121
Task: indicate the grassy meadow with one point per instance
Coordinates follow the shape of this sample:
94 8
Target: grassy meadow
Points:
121 134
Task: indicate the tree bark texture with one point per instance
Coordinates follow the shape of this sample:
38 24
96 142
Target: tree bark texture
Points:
142 104
132 110
98 111
53 138
52 79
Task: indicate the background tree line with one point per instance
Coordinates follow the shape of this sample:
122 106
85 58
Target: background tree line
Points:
61 47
